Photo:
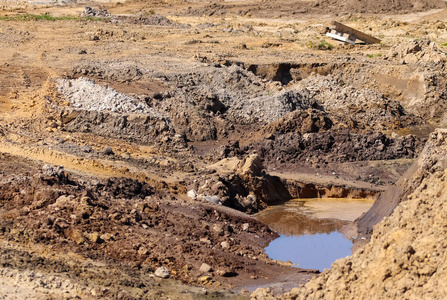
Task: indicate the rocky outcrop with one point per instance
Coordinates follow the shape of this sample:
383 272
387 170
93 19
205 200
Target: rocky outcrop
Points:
243 185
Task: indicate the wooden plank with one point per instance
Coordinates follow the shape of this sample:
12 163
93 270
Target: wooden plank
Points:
358 34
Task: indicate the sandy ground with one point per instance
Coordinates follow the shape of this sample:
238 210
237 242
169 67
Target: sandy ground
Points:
203 68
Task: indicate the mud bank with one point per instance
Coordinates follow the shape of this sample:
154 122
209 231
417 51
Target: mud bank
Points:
314 190
406 254
149 117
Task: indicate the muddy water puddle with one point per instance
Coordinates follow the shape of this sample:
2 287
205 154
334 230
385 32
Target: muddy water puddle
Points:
308 229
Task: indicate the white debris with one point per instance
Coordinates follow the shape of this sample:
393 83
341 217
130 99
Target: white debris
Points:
84 93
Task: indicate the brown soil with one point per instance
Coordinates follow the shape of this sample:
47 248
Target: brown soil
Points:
140 136
406 256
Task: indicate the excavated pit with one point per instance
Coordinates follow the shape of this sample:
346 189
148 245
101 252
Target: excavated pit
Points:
309 230
138 145
292 72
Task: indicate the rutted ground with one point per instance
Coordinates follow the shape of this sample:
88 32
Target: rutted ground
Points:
165 121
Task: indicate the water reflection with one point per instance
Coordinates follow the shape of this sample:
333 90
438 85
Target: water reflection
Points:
308 229
316 251
292 221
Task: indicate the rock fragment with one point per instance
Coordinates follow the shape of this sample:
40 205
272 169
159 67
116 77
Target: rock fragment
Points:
205 268
212 199
162 272
108 151
192 194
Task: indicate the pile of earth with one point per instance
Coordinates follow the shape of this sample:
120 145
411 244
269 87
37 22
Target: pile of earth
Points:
381 6
287 8
81 105
302 122
406 257
116 71
201 103
142 19
424 97
127 223
322 148
418 51
355 106
85 94
217 102
220 101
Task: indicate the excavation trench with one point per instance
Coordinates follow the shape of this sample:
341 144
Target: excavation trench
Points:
286 72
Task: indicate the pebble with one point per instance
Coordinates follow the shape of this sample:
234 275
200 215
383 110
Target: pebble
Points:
162 272
143 251
108 151
192 194
213 199
225 245
205 268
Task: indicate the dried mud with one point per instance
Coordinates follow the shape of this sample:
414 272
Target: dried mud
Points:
145 136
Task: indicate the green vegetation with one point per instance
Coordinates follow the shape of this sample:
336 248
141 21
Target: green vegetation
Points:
322 45
45 17
374 55
444 45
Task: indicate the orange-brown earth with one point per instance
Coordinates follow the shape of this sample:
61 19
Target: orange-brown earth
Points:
124 127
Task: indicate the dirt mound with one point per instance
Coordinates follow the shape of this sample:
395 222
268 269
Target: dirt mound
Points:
418 51
382 6
366 107
430 161
423 97
203 103
116 71
324 147
101 110
211 105
94 12
132 224
141 19
406 257
154 20
85 94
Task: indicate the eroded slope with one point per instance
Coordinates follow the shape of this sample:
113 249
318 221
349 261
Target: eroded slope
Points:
406 257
